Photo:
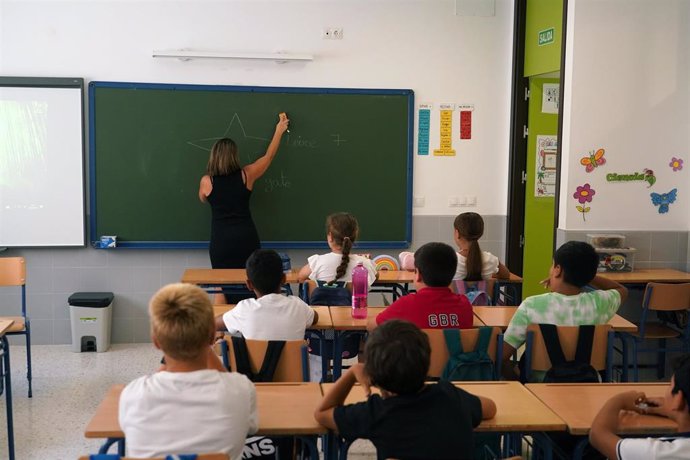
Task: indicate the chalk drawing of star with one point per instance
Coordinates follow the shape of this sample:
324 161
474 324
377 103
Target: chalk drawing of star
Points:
206 143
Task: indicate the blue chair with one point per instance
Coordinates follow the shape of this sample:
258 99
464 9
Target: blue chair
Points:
6 386
169 457
13 274
671 303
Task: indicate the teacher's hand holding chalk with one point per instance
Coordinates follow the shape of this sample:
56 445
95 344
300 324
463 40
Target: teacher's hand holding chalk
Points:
283 123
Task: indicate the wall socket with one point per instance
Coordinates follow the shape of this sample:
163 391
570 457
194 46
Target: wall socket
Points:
332 33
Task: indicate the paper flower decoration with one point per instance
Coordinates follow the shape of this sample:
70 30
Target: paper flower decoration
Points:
676 164
584 194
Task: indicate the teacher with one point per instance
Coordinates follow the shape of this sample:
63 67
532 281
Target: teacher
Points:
227 187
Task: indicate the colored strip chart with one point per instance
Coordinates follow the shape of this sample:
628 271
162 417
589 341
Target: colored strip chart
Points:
423 129
446 131
466 121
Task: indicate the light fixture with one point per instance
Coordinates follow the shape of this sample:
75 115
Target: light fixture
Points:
186 55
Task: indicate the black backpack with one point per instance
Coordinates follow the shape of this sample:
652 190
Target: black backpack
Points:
577 371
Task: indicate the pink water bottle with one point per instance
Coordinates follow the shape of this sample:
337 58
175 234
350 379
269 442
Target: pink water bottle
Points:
360 290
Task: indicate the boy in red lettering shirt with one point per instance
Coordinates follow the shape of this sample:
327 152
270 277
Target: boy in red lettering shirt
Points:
434 306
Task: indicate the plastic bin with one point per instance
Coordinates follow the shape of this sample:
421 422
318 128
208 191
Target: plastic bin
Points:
90 315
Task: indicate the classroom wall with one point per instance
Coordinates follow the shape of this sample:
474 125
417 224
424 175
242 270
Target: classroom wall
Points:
626 91
422 45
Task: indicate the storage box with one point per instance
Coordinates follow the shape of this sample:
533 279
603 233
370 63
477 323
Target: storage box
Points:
616 259
606 240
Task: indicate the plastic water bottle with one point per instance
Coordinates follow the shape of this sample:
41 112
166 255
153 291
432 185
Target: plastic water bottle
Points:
360 290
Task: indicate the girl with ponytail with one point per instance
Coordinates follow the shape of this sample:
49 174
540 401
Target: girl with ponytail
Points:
342 230
473 263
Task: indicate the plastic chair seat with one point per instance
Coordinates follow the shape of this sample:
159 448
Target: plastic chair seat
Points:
657 331
17 326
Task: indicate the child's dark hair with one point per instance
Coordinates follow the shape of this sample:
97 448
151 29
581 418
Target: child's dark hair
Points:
470 226
681 377
344 230
579 262
397 357
436 263
265 271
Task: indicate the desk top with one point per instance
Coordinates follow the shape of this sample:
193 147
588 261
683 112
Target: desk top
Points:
500 317
517 408
221 276
5 324
578 403
407 276
284 408
343 320
648 275
324 321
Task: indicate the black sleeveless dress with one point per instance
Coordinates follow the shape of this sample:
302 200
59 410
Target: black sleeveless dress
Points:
233 233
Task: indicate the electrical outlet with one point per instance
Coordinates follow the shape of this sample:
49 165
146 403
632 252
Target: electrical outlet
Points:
471 200
332 33
453 201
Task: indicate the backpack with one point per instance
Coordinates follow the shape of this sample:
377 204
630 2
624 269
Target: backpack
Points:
475 293
577 371
468 365
335 295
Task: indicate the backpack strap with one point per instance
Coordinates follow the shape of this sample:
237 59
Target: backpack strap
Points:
239 347
453 342
484 339
553 345
460 287
585 342
271 358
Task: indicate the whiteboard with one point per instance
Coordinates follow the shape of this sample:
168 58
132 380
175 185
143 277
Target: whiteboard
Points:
41 162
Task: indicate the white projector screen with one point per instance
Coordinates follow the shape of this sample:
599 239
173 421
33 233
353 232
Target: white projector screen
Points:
41 162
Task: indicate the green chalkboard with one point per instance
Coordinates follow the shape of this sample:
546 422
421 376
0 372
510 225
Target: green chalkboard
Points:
347 150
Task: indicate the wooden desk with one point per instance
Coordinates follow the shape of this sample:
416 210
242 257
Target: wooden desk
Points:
578 403
224 276
501 316
5 353
284 409
5 324
517 409
323 322
648 275
343 320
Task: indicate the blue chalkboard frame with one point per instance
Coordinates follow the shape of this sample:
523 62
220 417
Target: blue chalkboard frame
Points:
95 235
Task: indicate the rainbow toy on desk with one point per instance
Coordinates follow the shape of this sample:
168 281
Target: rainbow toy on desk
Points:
386 262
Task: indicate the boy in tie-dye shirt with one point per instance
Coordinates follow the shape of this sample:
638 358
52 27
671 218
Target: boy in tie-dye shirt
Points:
574 267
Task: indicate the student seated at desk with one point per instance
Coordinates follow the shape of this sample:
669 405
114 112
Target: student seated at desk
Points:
272 315
574 267
193 405
410 419
434 305
675 405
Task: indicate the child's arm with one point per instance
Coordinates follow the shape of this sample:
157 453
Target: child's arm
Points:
220 323
336 397
488 407
503 273
303 274
508 370
258 168
213 362
603 435
600 282
316 318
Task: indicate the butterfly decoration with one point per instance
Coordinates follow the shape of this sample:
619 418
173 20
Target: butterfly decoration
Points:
593 160
663 200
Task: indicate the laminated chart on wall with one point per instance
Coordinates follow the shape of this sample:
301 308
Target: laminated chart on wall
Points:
446 131
423 129
466 121
545 178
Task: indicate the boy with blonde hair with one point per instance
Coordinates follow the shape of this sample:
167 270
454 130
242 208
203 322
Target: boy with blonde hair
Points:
193 405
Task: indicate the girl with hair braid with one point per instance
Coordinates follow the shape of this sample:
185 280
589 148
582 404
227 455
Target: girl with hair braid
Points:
342 230
473 263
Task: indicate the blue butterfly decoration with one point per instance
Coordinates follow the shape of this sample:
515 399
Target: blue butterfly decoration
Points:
663 200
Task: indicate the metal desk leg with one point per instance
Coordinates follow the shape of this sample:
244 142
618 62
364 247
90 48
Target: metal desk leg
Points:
580 448
8 396
109 442
338 354
310 442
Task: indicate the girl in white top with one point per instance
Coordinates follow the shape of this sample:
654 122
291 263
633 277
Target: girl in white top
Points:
473 263
341 233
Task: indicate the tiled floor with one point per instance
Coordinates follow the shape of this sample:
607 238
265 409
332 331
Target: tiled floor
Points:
67 388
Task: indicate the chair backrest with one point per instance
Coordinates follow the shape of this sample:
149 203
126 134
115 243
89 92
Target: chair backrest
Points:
198 457
293 365
340 294
667 297
12 271
568 335
468 337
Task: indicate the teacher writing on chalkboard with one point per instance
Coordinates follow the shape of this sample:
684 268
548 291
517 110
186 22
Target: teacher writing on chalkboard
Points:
227 187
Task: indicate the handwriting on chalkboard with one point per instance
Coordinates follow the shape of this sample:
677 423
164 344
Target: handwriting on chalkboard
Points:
337 139
278 183
299 141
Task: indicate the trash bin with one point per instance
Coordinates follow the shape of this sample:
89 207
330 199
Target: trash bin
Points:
90 315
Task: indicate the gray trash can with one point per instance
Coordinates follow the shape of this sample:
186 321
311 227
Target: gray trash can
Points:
90 315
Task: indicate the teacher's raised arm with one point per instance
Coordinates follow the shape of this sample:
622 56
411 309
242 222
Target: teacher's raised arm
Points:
258 168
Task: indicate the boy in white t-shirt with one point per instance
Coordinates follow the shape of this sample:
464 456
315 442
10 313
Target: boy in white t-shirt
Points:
193 405
675 405
272 315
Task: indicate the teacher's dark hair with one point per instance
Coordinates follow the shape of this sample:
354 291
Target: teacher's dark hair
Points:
224 158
